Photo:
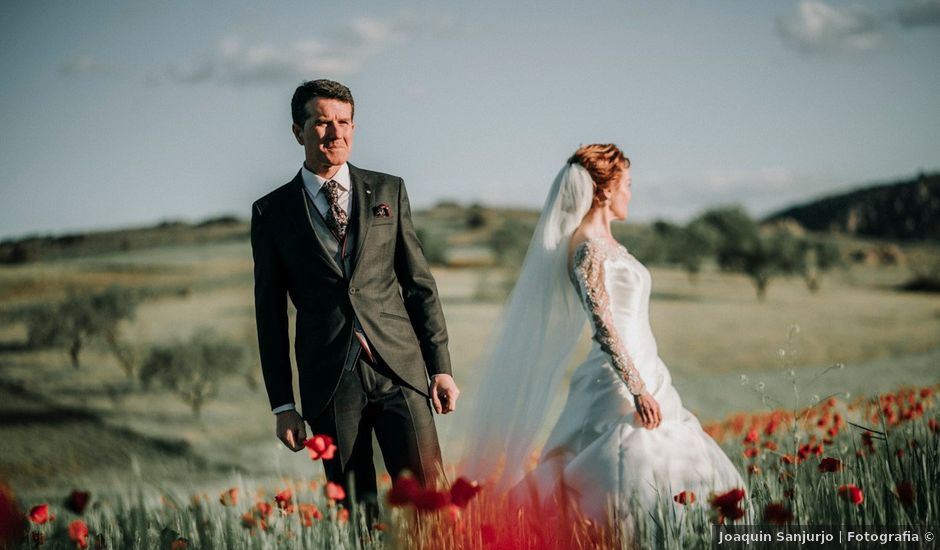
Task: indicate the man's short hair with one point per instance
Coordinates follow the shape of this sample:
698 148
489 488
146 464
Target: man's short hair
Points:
310 89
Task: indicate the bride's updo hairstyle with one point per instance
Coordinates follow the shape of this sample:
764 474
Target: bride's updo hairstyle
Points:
605 162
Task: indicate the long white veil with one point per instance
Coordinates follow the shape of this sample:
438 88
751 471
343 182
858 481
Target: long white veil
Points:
531 344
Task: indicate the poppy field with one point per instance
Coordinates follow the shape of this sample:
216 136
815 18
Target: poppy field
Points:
869 461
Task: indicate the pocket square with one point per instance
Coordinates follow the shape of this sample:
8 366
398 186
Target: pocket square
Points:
382 211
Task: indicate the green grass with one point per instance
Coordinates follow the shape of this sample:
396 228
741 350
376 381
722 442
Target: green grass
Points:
897 471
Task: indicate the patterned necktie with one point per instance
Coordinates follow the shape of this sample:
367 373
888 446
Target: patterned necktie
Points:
337 219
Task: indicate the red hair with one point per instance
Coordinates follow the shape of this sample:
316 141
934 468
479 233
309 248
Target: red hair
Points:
605 162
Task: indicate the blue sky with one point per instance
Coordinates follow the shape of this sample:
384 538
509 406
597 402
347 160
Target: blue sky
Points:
127 113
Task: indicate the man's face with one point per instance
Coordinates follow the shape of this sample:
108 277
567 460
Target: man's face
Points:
328 134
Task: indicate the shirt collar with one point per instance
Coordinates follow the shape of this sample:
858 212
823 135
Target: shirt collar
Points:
313 182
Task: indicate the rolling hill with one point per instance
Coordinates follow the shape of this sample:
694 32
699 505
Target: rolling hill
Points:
906 210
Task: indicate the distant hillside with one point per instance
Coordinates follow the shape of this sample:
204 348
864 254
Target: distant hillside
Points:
904 210
47 247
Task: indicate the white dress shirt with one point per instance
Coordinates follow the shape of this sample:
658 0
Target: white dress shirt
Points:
314 185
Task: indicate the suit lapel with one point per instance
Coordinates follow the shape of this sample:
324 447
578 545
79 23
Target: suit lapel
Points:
362 197
300 215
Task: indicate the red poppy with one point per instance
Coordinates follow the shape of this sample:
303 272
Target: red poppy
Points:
729 498
751 452
39 514
320 447
264 508
249 520
76 501
807 449
430 500
379 527
342 515
771 445
229 497
179 544
334 491
685 497
78 532
771 426
777 513
714 431
732 514
403 491
308 513
752 436
283 499
463 491
830 464
727 504
933 425
850 493
737 423
753 469
905 492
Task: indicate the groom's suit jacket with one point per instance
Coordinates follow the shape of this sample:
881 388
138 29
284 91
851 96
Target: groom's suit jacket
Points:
388 288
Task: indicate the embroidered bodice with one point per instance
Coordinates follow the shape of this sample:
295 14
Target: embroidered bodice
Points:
614 289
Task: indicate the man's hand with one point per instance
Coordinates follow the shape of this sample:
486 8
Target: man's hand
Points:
291 430
444 393
647 408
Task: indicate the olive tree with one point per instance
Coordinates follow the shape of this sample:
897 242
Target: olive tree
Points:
193 368
819 256
686 246
80 317
743 248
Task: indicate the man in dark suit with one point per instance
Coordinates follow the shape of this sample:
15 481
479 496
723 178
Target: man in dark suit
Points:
370 332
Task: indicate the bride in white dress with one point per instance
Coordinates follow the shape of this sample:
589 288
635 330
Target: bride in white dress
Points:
623 438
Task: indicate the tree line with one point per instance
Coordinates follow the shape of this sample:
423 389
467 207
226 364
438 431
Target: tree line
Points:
737 243
726 237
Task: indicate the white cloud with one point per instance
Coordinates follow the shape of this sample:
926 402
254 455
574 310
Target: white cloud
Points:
339 53
84 64
818 28
919 13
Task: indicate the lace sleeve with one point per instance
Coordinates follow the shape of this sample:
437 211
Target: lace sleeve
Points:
589 272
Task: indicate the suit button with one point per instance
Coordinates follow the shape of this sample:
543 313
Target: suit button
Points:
353 290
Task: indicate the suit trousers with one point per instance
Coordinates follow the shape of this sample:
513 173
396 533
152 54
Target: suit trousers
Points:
371 397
